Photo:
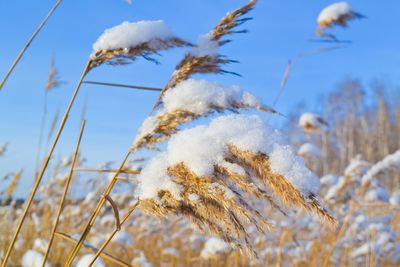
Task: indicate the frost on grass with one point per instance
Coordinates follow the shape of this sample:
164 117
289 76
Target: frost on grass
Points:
131 34
189 100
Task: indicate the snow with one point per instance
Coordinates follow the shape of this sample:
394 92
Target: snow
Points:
205 47
131 34
40 244
32 258
309 149
123 238
171 252
390 161
377 194
214 246
334 12
395 199
141 261
329 179
312 120
200 96
357 167
203 147
85 260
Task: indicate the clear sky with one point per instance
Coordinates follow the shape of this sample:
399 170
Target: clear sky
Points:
280 30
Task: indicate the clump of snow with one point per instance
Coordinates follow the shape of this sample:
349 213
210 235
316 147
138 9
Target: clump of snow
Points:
199 96
334 12
390 161
85 260
141 261
310 121
131 34
329 180
377 194
171 252
285 162
309 150
395 199
214 246
40 244
32 258
203 147
357 167
205 47
123 238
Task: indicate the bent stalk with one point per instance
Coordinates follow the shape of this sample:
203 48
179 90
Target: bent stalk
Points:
116 229
96 212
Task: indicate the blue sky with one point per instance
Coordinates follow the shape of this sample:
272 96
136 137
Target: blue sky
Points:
279 31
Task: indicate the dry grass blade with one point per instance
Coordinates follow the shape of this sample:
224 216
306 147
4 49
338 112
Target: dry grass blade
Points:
124 86
44 167
3 149
116 229
108 171
64 194
124 56
105 255
232 20
53 80
281 186
12 186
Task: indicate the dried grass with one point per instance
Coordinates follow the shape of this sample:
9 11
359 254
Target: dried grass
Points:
124 56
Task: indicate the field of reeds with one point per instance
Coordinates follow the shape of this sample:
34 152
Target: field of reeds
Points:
208 180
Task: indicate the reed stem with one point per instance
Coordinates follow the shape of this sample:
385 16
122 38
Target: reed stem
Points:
66 187
10 70
96 212
44 167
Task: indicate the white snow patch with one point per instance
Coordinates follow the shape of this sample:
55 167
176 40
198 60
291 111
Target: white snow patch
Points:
214 246
334 12
131 34
309 150
205 47
85 260
203 147
32 258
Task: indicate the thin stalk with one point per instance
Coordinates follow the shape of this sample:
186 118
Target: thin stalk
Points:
66 187
41 133
29 43
116 229
108 171
44 167
96 212
125 86
106 256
